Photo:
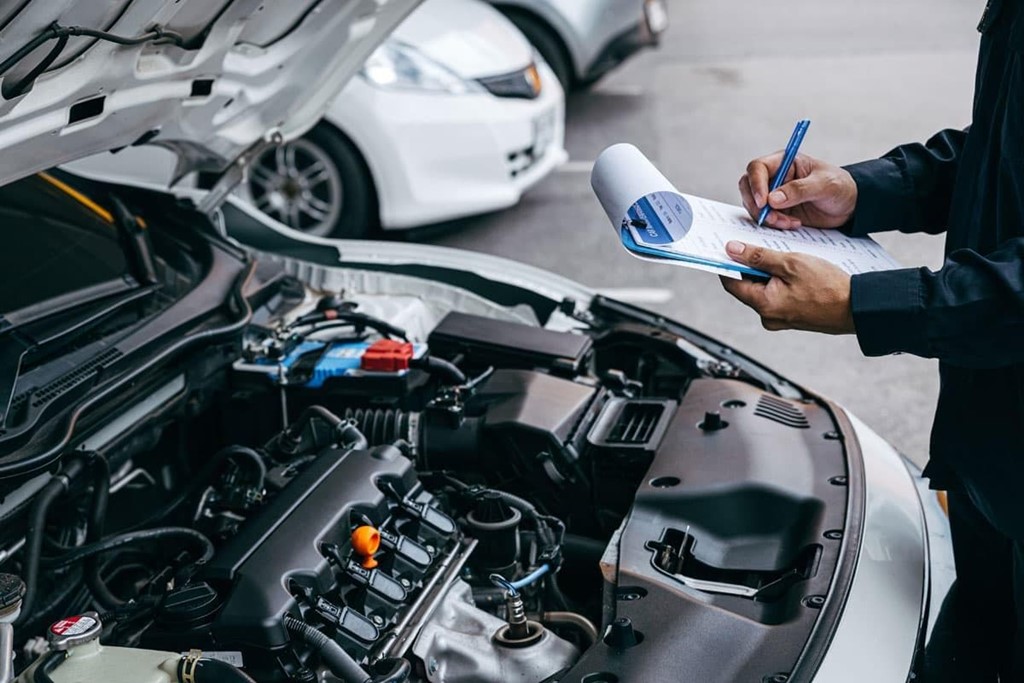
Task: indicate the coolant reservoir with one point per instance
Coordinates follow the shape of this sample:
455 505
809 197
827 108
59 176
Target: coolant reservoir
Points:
87 661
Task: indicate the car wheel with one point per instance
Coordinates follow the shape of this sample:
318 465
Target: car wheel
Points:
548 44
317 184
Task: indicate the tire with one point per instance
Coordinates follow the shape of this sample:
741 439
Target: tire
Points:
547 43
318 184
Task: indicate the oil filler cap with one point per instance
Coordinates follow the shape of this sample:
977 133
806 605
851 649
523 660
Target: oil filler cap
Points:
73 631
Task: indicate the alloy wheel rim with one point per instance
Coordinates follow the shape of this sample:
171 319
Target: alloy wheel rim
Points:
298 184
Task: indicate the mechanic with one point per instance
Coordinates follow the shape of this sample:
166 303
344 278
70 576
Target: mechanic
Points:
969 315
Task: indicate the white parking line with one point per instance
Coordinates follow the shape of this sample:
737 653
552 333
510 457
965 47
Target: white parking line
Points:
576 167
639 295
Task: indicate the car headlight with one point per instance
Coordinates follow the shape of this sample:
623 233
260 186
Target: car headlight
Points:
397 66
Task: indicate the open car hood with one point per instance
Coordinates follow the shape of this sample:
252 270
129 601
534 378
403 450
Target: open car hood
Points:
207 79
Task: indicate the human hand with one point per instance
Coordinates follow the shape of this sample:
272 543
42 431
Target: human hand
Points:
815 193
804 292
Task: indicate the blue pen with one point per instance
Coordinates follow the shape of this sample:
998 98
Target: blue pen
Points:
787 161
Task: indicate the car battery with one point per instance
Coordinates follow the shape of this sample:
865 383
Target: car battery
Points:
359 369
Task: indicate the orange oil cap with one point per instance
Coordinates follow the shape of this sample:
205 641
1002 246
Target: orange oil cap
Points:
365 543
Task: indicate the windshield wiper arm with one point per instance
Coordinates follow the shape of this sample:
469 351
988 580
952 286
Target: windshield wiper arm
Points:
16 343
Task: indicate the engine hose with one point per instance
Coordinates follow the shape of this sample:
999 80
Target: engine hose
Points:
48 666
290 441
381 425
210 671
36 528
97 522
114 542
201 480
248 456
333 655
351 437
399 671
446 370
577 621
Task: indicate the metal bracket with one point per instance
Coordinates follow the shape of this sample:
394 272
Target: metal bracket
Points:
237 172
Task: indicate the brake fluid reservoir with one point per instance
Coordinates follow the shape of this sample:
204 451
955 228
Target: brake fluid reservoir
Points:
87 661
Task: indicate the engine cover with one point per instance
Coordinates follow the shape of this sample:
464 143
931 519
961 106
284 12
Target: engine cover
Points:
732 541
300 545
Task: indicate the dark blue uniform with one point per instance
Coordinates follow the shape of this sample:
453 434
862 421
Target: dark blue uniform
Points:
969 315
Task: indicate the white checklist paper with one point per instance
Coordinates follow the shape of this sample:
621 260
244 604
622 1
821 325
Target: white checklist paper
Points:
656 222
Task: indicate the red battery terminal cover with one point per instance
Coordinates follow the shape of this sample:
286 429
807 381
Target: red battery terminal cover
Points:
387 355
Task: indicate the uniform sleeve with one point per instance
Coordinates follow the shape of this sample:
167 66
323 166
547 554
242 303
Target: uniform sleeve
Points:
908 189
969 313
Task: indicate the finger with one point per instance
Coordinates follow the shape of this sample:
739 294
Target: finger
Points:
781 221
748 292
772 262
748 198
759 172
796 192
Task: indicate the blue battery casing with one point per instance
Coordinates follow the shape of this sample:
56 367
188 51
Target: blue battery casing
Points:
336 360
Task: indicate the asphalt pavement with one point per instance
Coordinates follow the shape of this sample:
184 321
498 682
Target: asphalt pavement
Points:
727 84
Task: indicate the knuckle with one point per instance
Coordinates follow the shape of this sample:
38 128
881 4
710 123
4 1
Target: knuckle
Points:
757 255
829 184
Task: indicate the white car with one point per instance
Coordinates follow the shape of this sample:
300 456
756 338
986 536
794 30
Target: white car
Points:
453 115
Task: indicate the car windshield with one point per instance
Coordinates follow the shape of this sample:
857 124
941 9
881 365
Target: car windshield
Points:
56 242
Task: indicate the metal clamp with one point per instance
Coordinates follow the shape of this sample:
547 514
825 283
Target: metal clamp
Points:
189 666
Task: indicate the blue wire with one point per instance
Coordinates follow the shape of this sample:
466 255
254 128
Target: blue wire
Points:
531 577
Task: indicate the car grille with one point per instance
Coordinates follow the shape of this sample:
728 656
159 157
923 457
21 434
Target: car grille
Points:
524 84
522 160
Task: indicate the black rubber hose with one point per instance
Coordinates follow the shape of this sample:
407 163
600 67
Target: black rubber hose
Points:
97 522
246 455
114 542
213 671
334 657
350 437
202 479
588 550
398 672
48 666
36 528
446 370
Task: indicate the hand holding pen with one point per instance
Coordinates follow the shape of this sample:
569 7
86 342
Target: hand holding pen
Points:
817 194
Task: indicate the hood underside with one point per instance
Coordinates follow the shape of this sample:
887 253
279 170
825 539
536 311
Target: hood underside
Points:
205 78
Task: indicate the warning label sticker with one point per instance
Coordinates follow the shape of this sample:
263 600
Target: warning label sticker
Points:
73 626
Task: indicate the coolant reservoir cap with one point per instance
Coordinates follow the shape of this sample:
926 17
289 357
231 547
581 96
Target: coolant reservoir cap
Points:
73 631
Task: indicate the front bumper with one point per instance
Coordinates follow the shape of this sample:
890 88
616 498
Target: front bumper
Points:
645 33
437 157
882 622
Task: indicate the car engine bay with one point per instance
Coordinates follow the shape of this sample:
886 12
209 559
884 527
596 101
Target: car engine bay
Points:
331 497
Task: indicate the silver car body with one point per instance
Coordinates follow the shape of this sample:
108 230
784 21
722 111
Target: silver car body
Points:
589 28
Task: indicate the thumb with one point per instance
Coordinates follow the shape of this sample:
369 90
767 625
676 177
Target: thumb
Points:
756 257
797 192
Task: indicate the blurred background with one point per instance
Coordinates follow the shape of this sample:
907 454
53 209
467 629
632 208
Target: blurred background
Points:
727 83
